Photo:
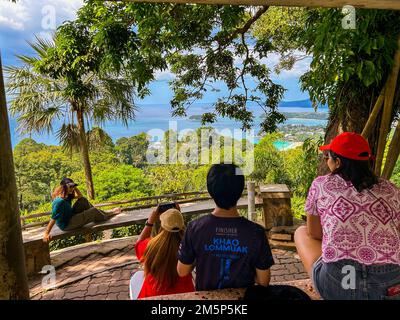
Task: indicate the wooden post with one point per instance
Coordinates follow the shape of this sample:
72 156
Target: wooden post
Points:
276 205
393 153
374 114
13 280
387 110
251 201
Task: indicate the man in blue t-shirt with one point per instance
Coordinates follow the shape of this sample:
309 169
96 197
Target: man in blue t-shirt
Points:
227 250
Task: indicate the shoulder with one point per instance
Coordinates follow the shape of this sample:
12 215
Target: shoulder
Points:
386 187
321 180
57 202
199 222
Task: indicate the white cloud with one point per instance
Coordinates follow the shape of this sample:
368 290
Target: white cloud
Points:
32 16
165 75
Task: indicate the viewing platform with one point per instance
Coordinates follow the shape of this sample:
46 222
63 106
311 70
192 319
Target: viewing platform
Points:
102 269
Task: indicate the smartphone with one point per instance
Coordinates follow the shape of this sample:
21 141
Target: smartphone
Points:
162 207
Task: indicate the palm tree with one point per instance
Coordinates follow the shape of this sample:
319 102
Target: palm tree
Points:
39 98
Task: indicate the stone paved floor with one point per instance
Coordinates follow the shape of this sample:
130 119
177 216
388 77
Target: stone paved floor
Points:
96 275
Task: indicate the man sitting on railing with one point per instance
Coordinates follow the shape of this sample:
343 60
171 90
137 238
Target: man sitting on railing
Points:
227 250
68 216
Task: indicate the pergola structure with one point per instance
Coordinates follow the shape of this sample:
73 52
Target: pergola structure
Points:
12 266
370 4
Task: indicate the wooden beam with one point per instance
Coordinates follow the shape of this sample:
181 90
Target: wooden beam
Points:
374 115
13 283
369 4
390 89
393 154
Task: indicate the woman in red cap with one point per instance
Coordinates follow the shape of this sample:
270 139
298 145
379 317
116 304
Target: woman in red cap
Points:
351 244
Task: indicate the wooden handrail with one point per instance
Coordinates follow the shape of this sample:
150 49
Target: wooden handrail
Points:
25 225
100 205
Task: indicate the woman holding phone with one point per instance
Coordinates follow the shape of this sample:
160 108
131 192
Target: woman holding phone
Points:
159 256
68 216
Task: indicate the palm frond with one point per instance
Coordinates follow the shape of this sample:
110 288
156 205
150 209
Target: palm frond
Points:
68 135
41 45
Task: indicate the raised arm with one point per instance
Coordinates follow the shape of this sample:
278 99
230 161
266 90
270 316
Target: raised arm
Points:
77 193
47 235
146 232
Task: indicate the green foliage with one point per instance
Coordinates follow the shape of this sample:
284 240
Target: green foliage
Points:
120 182
307 165
38 169
268 161
359 58
133 150
199 43
298 204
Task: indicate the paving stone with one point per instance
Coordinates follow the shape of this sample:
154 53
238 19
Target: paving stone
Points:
118 289
288 260
77 287
92 290
74 295
112 296
279 279
123 296
119 283
58 294
277 267
114 283
280 272
301 276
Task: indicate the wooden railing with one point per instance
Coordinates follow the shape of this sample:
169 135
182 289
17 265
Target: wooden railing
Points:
152 201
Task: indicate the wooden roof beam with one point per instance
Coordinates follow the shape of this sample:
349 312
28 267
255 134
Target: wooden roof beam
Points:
367 4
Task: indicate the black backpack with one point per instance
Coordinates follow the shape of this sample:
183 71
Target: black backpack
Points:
275 292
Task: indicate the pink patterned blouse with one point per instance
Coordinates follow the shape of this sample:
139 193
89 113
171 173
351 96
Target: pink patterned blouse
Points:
362 226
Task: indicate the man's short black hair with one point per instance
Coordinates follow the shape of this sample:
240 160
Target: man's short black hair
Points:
225 184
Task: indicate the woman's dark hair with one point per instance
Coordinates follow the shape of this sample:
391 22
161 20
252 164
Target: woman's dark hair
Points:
358 172
225 184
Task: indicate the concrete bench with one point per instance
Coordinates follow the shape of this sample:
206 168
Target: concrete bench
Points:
234 294
37 253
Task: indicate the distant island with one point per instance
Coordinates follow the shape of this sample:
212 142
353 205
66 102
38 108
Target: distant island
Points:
305 115
288 115
196 117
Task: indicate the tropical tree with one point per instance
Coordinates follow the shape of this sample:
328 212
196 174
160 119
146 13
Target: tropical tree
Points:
201 44
133 150
52 86
349 67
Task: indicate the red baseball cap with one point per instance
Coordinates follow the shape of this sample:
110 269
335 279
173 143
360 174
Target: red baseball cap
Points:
350 145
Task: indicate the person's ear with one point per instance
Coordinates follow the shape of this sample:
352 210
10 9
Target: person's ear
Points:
338 163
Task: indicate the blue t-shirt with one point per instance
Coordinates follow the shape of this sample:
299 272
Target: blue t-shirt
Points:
226 251
61 211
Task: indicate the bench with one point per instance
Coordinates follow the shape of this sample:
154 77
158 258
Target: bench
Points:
37 253
235 294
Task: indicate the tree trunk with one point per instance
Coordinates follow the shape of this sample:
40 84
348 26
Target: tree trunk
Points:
352 118
13 280
85 154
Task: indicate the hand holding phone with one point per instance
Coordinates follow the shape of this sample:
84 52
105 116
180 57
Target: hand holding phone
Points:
162 207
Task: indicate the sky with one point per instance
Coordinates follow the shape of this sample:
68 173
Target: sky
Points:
21 21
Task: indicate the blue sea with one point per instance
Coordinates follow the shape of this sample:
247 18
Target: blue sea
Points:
158 117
